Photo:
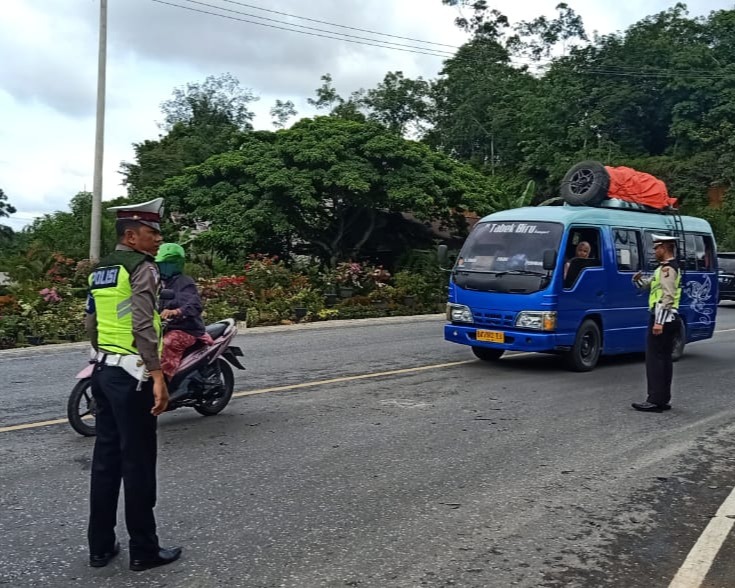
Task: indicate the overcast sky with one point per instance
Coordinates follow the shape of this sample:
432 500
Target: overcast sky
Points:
49 63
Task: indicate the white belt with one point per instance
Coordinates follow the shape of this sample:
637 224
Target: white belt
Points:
133 364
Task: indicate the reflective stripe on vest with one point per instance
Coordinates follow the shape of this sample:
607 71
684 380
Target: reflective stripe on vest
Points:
657 292
113 300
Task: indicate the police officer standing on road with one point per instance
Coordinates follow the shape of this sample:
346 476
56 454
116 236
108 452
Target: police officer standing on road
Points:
663 324
128 388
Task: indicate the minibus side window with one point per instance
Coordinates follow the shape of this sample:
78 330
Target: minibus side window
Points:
703 251
651 263
709 254
691 241
627 249
574 265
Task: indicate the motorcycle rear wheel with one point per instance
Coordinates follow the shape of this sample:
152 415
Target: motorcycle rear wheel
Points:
217 405
81 404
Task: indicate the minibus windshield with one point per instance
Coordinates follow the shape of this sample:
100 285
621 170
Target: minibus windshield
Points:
507 256
509 247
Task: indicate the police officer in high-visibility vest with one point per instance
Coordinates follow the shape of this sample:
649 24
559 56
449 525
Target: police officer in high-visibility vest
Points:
663 323
128 388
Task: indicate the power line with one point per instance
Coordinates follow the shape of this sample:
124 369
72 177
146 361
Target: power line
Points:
339 25
620 71
439 51
522 60
382 46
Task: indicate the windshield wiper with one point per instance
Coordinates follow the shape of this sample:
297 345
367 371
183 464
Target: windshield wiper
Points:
471 271
520 272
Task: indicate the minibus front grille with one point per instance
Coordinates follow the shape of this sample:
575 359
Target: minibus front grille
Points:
493 319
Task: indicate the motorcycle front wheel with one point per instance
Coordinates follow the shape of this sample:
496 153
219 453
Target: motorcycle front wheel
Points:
80 409
217 405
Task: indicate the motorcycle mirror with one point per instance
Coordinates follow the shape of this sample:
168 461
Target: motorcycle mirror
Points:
166 294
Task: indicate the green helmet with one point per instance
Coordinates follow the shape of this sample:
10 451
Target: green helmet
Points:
171 252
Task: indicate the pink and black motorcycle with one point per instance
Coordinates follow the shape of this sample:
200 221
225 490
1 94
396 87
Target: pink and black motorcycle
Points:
204 380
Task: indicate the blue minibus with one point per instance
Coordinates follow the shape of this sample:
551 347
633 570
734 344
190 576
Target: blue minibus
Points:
517 285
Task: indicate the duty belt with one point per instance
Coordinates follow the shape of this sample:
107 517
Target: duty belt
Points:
132 364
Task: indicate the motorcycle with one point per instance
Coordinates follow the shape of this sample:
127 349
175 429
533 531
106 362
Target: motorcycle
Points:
204 381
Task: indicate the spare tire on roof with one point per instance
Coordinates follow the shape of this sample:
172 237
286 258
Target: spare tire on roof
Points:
585 184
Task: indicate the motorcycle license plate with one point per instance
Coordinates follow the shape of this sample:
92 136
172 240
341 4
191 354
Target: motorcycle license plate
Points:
491 336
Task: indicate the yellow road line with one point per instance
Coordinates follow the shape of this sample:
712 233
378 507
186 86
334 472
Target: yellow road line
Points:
302 385
352 378
281 389
32 425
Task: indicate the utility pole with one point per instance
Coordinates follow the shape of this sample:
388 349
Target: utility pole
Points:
99 142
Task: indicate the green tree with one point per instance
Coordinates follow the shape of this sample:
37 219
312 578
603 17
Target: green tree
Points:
327 98
218 100
6 209
200 120
67 232
400 104
480 103
281 112
322 187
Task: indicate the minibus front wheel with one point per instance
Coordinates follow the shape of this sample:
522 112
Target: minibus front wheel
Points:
488 353
585 352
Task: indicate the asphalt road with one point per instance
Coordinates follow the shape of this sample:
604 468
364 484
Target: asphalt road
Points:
472 474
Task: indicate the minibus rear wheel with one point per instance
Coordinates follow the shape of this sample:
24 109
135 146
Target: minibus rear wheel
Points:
487 353
585 352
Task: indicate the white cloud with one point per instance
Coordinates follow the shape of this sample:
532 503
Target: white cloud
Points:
48 85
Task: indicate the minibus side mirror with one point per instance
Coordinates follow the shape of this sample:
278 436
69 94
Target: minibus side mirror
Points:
549 261
442 255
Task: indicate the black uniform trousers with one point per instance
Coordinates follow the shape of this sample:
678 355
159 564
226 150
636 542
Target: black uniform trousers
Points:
659 365
125 450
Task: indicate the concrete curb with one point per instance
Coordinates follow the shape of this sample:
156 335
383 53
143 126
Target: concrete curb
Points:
242 331
341 324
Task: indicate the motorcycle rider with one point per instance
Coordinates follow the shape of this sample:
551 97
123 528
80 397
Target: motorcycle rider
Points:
183 312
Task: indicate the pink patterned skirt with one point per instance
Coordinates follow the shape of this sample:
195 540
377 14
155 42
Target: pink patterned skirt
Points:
175 344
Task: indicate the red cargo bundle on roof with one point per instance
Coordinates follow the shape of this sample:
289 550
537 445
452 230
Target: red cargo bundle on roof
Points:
639 187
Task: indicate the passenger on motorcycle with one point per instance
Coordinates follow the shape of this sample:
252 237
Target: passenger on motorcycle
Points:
183 312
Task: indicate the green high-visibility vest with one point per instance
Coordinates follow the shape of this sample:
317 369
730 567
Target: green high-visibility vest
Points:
657 292
109 285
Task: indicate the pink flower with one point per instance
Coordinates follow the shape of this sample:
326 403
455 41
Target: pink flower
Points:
50 295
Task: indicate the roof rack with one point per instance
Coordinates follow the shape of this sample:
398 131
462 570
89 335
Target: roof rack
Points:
625 205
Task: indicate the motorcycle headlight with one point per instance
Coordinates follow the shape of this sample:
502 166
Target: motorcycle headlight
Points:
459 313
537 320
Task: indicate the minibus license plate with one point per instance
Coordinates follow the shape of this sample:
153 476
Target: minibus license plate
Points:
491 336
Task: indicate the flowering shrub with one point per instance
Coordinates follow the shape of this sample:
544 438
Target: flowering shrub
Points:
264 272
268 291
350 274
50 295
62 269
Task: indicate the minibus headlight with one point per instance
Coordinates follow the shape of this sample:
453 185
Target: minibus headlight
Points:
459 313
537 320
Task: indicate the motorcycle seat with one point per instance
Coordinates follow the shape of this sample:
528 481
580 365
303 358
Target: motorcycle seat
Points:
216 330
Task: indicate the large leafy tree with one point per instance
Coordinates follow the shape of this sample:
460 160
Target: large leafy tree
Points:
200 120
322 187
401 104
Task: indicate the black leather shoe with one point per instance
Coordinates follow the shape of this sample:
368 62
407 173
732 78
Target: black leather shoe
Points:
100 561
650 407
163 557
